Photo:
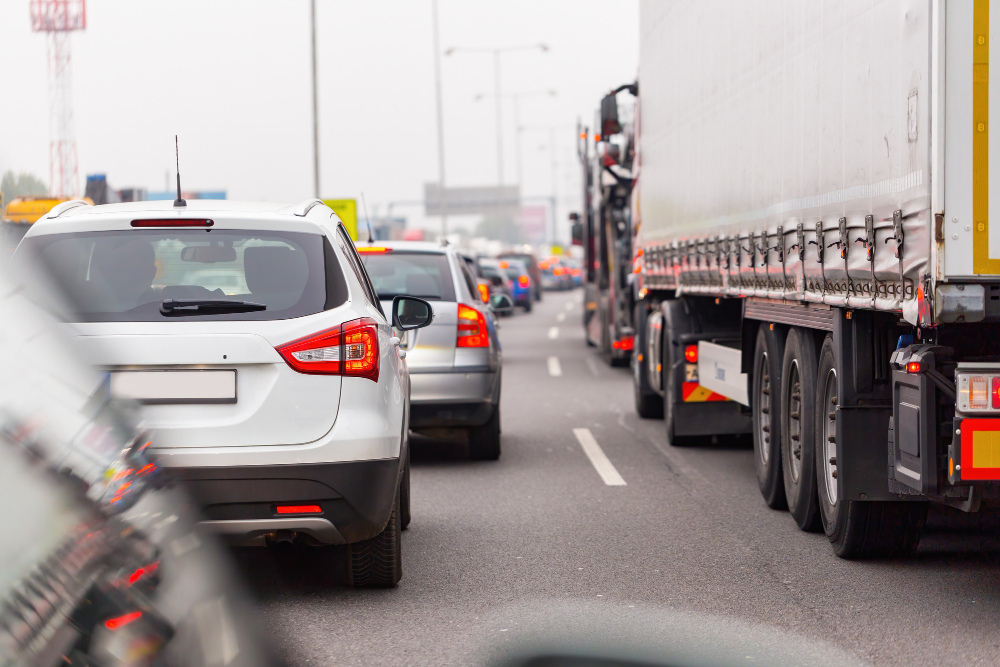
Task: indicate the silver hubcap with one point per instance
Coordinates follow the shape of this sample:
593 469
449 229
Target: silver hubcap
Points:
793 426
763 402
829 435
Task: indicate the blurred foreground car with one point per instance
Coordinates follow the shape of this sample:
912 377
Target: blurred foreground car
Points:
257 346
101 563
454 363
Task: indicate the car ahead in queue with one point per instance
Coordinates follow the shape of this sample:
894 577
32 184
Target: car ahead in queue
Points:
261 354
101 563
520 282
454 363
534 272
555 274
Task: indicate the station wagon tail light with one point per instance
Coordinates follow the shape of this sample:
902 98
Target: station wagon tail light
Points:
523 281
472 330
484 292
173 222
349 349
371 250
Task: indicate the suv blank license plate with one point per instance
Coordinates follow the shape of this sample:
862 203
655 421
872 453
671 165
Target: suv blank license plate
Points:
174 386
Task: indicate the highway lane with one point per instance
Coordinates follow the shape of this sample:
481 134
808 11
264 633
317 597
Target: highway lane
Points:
592 528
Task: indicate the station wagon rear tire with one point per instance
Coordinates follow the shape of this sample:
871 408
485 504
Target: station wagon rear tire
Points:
484 441
404 494
378 562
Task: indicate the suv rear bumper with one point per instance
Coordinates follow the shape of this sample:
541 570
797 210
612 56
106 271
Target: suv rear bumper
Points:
240 502
453 399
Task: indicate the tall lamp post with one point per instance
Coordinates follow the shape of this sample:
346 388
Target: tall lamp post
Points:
515 98
551 129
312 20
497 92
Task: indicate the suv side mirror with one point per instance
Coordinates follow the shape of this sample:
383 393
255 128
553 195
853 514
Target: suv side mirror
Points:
409 312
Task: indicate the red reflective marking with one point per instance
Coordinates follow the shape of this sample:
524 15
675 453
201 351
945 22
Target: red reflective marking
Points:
299 509
119 621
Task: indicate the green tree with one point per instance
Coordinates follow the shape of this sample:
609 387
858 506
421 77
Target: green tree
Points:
22 185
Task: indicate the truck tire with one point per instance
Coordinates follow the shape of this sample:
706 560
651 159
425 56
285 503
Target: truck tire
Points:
648 403
798 405
856 528
484 441
765 387
378 562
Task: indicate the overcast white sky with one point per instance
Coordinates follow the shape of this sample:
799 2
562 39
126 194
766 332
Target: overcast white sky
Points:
231 77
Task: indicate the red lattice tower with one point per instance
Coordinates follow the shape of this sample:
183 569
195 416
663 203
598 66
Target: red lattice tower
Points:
58 18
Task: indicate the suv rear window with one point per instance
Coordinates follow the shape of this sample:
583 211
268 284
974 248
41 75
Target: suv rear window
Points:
423 274
125 276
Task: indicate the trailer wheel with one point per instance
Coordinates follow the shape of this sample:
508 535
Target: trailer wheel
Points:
765 390
648 403
856 528
798 449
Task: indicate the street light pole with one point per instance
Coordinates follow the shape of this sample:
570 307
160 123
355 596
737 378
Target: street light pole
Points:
440 123
496 69
312 18
515 104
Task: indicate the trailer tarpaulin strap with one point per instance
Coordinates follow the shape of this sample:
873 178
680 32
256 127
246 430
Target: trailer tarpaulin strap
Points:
981 261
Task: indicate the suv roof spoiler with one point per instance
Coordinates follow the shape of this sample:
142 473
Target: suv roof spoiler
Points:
302 210
61 208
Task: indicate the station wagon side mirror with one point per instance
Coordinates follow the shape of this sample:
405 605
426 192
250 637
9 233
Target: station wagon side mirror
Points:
409 312
501 303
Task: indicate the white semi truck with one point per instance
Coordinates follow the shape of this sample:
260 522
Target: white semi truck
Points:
813 259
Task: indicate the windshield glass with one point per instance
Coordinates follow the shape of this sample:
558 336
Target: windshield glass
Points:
125 276
423 274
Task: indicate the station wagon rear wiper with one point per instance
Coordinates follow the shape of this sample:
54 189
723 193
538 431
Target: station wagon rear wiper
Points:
193 306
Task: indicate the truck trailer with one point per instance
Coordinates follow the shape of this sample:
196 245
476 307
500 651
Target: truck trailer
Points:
812 259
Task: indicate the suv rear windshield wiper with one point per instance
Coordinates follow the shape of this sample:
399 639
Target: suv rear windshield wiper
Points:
193 306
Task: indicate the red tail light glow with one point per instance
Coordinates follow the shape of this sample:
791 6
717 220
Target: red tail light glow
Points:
558 271
350 349
913 367
523 281
576 272
299 509
543 265
995 393
628 342
472 330
691 354
504 265
173 222
121 621
484 292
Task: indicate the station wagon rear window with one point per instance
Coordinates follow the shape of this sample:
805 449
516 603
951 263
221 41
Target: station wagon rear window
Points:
423 274
158 274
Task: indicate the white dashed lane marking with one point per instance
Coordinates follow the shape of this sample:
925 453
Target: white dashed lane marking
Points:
555 369
553 333
561 317
602 464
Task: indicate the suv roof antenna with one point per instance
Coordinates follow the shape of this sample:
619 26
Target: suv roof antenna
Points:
371 237
177 154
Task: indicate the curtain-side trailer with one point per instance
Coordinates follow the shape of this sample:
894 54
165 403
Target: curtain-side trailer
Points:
812 209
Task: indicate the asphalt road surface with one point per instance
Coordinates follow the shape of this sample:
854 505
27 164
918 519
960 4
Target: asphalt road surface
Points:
608 539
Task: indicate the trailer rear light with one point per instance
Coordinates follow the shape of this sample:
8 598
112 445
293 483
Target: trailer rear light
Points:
995 393
173 222
691 354
371 250
472 330
349 349
484 292
626 343
523 281
299 509
913 367
121 621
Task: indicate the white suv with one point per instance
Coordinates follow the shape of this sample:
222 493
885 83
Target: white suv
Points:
254 339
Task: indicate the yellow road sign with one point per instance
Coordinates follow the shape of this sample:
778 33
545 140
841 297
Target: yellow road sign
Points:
346 210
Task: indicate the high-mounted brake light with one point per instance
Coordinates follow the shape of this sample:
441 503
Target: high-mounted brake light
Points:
472 330
299 509
173 222
484 292
372 250
350 349
523 281
691 354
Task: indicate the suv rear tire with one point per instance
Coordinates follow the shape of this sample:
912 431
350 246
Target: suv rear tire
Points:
484 441
378 563
404 494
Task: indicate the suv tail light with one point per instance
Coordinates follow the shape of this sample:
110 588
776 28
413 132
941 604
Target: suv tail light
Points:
350 349
472 330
